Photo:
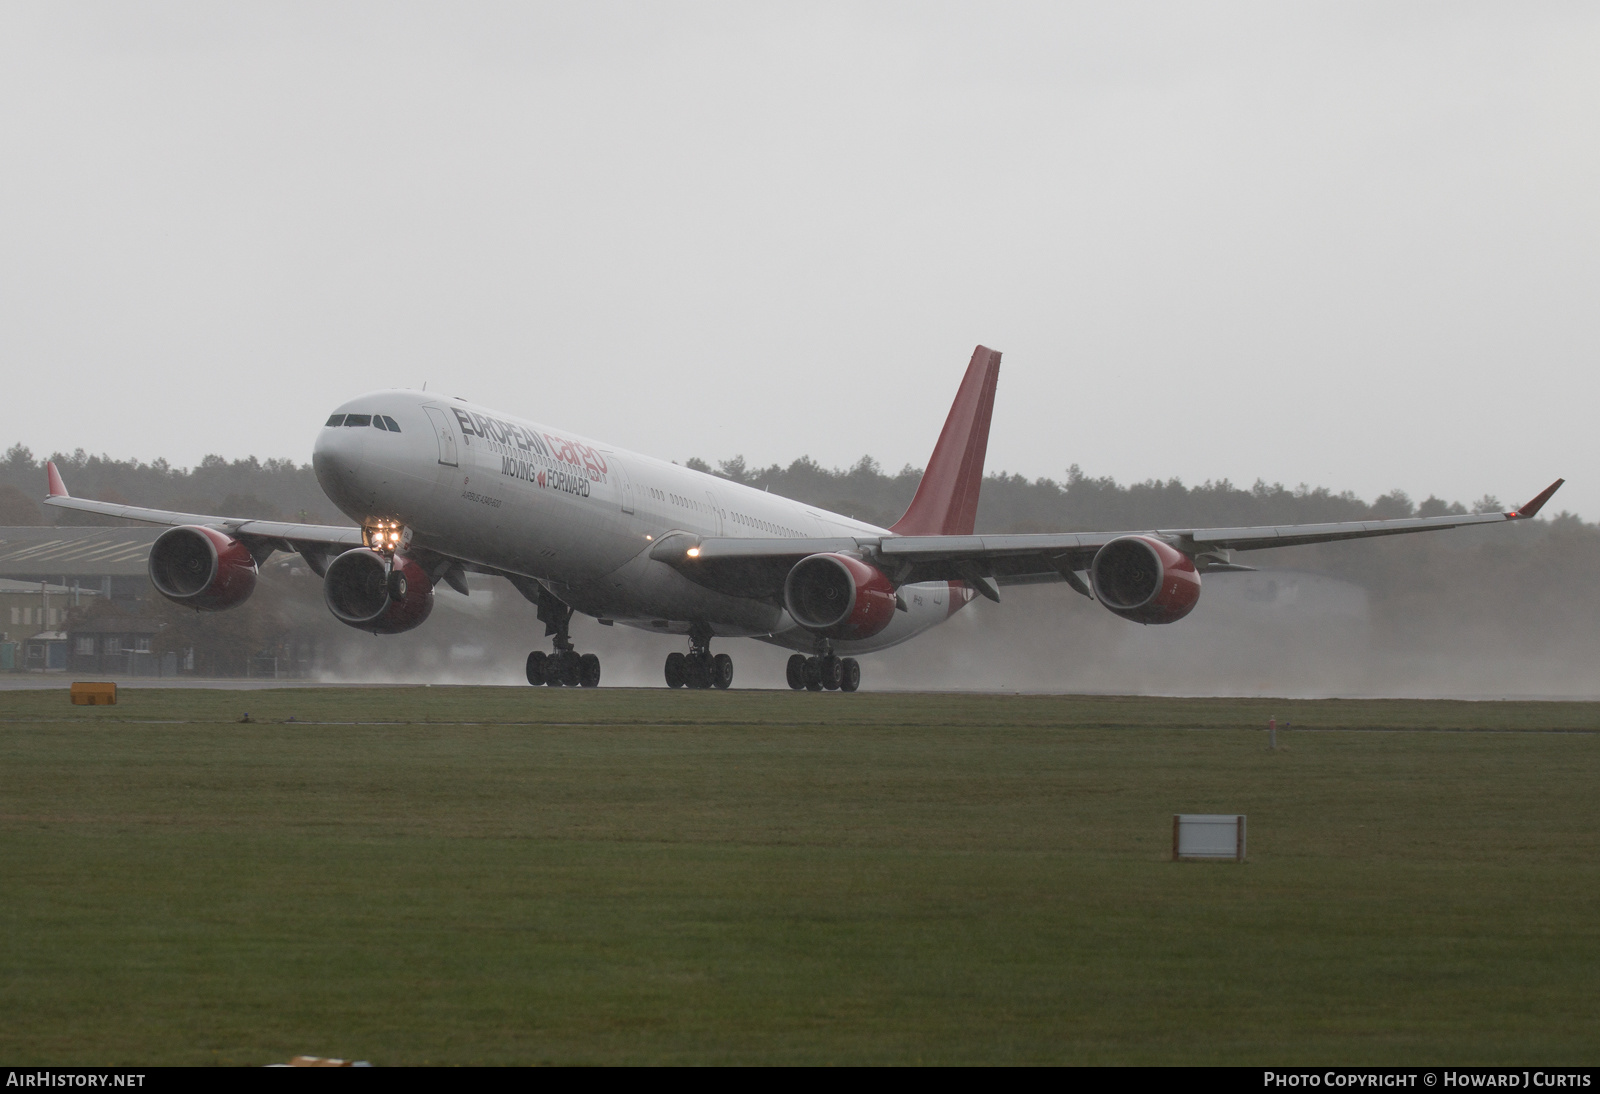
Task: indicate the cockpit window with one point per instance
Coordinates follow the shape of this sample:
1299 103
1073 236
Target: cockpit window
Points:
377 422
357 419
394 427
337 419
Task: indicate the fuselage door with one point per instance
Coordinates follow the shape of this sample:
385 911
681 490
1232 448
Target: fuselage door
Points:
446 435
624 484
716 511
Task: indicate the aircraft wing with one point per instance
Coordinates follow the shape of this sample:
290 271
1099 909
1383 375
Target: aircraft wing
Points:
757 567
262 537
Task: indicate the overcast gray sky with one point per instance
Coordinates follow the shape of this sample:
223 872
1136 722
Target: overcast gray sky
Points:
1347 244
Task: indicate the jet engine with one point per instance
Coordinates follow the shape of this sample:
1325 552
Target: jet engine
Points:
839 596
1142 579
371 593
202 568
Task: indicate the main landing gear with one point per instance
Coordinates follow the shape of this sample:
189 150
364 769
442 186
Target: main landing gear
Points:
566 667
563 669
824 670
698 668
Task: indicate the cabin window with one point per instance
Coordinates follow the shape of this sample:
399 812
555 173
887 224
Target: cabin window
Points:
394 426
358 420
337 419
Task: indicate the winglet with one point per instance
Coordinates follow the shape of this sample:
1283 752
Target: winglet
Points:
58 489
1536 504
946 502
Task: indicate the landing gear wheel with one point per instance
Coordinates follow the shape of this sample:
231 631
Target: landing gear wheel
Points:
700 670
677 670
813 674
589 671
722 672
850 674
571 669
832 673
396 585
796 672
536 661
555 671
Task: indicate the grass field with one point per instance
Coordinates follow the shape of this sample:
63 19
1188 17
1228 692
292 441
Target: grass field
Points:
479 875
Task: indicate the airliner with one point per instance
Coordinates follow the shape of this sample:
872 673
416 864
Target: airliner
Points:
441 487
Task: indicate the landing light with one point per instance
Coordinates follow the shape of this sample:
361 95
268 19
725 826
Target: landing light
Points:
694 552
383 535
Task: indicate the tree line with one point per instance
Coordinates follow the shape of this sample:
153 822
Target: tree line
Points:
281 489
273 489
1078 502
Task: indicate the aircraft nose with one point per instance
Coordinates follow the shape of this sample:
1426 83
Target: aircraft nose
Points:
336 457
332 449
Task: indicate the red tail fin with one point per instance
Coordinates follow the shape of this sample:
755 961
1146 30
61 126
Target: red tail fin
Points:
947 497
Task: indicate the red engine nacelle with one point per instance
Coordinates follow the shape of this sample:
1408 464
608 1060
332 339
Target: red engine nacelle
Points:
368 592
1143 579
202 568
839 596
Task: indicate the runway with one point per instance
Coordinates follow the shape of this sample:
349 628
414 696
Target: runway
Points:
31 682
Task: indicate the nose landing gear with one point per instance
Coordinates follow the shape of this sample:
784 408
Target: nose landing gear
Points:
823 670
699 668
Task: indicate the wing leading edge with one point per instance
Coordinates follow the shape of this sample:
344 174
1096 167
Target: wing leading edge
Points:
261 536
757 567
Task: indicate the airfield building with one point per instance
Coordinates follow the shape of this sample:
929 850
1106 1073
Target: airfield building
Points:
32 615
119 645
107 561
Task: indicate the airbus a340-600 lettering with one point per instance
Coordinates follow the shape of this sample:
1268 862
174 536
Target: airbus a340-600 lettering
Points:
439 488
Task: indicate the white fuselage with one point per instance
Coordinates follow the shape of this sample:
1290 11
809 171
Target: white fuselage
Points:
579 516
